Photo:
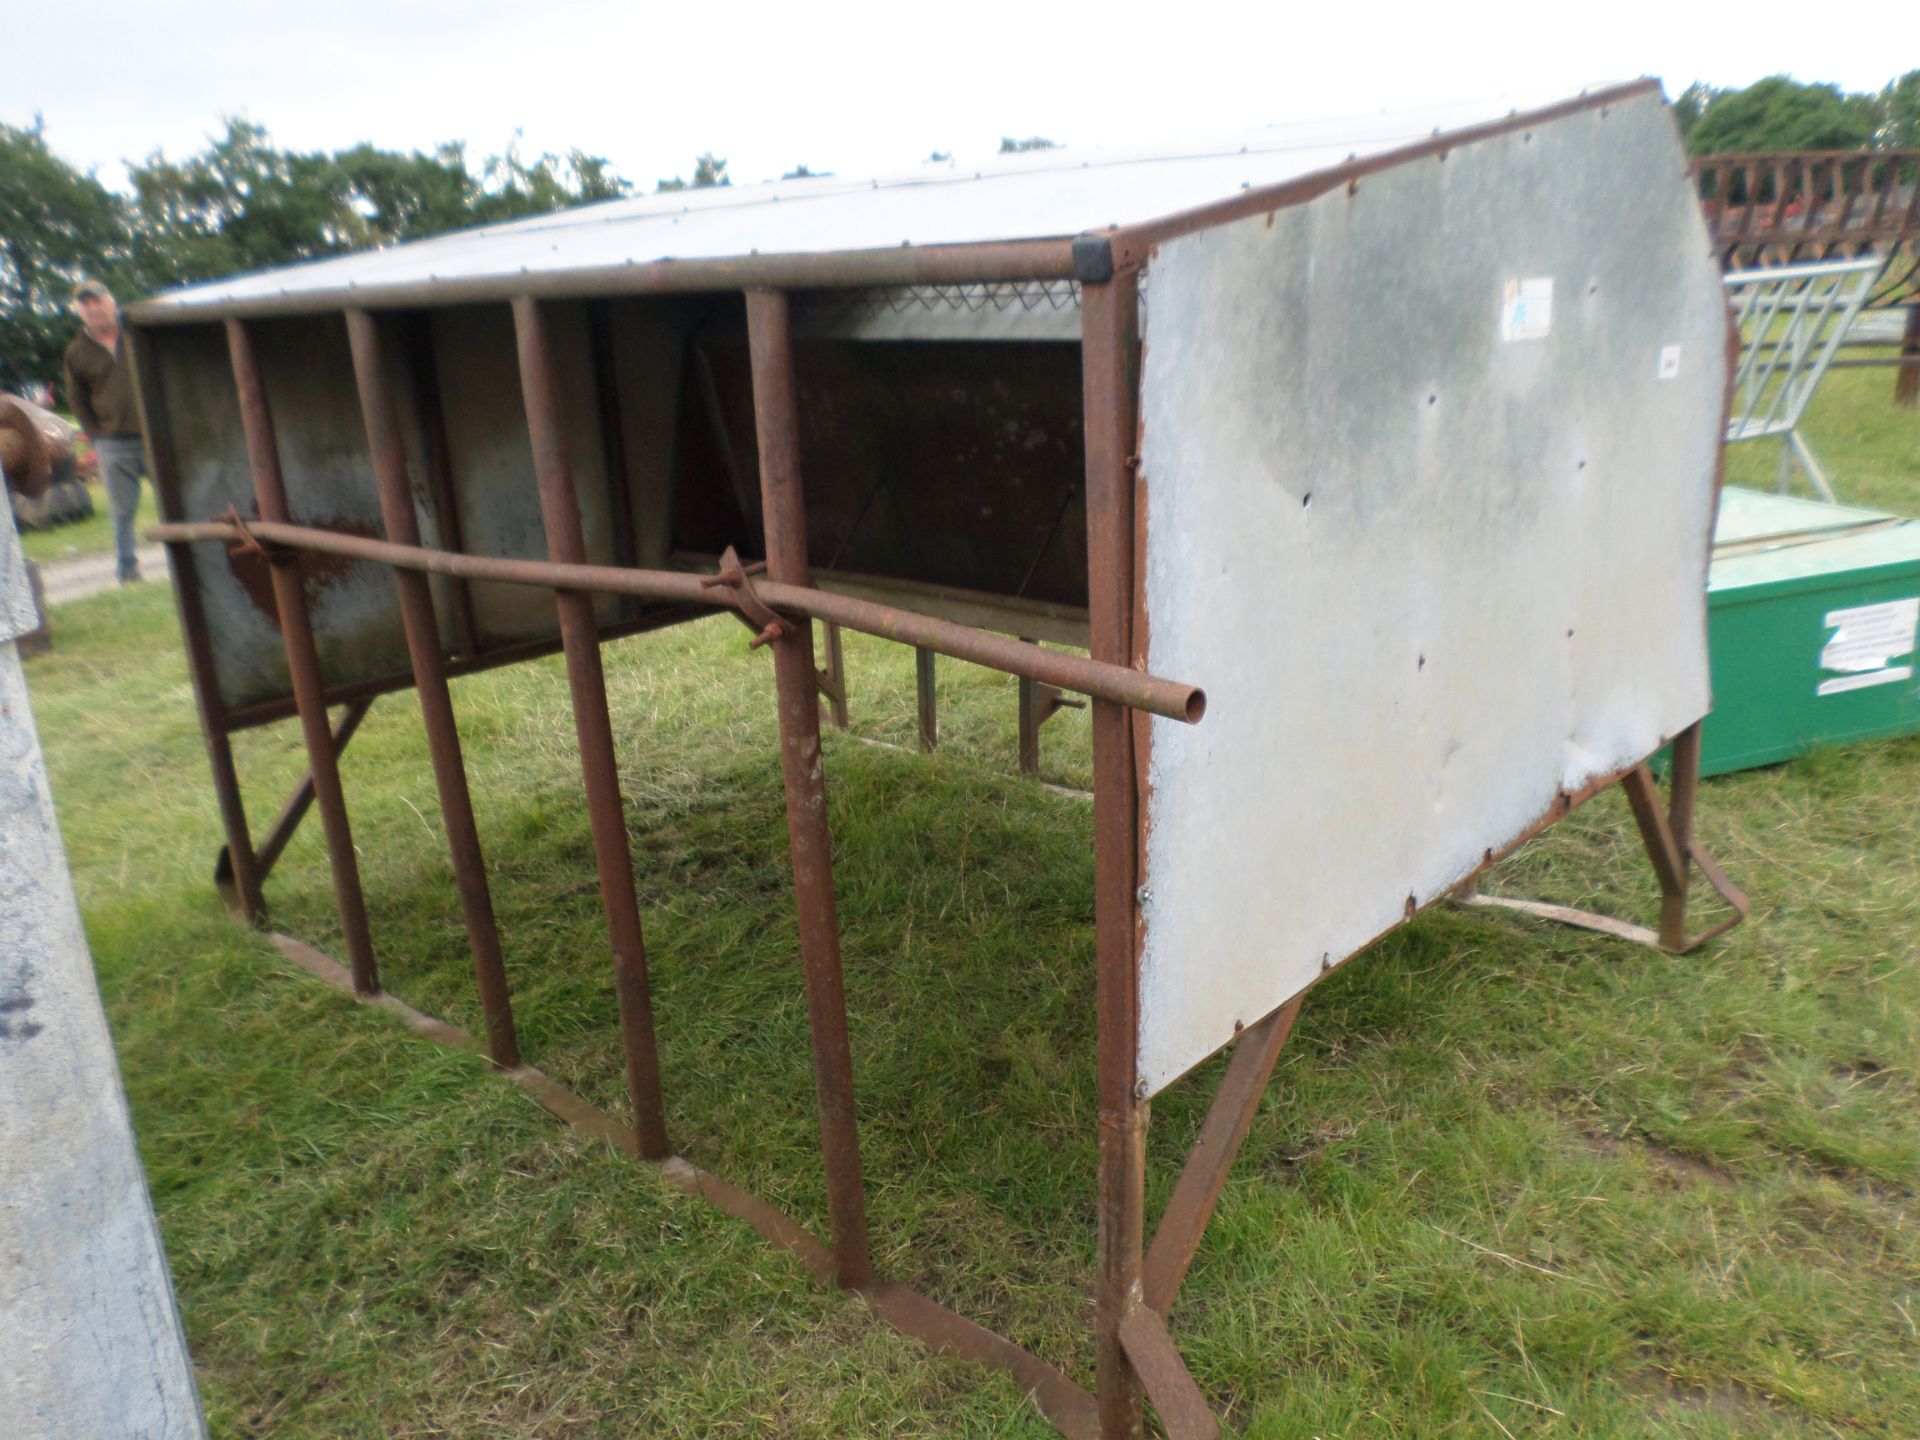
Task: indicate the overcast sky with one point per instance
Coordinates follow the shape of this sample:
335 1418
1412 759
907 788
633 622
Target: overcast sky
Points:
856 88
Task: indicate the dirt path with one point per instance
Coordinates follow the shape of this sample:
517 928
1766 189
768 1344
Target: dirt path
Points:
87 574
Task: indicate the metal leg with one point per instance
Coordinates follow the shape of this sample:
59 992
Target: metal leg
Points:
430 681
1906 381
1803 453
783 504
833 679
235 874
244 893
926 699
593 727
303 660
1683 786
1039 703
1109 356
293 812
1668 836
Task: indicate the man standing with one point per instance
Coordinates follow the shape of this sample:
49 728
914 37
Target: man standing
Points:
100 389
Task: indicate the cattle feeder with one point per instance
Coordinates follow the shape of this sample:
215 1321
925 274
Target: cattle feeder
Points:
1372 464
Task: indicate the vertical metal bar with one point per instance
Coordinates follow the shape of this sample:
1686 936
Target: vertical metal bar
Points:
162 466
1683 786
1883 192
421 369
303 659
593 727
1029 723
1109 357
430 682
613 441
776 419
1850 193
926 698
834 680
1906 383
1750 187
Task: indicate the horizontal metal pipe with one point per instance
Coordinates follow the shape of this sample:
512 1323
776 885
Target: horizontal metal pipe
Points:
1118 683
837 270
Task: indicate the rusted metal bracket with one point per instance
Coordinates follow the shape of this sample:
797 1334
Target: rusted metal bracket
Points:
249 545
754 612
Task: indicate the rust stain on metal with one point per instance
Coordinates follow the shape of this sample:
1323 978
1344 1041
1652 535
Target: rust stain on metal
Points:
319 571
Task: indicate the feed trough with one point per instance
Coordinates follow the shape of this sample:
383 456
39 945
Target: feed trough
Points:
1373 477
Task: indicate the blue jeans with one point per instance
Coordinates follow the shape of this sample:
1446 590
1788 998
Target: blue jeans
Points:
123 461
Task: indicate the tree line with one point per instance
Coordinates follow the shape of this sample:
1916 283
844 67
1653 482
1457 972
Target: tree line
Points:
1780 113
242 203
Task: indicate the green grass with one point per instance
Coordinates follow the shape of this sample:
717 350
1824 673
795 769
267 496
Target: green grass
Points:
1509 1179
91 536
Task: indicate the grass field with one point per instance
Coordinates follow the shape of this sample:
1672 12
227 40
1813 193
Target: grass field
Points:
1509 1180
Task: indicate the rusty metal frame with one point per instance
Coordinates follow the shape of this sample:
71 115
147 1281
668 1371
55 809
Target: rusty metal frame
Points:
1116 685
303 659
1135 1282
1819 203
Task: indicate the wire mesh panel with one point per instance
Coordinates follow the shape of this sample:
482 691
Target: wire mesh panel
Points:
1793 321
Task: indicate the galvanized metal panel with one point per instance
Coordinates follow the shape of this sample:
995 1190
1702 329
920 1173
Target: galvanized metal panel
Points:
324 454
1031 196
492 458
1431 576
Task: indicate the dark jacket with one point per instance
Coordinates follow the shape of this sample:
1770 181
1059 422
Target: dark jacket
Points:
100 387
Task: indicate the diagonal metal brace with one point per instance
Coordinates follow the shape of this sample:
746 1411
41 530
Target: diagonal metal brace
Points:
1204 1176
1183 1410
754 612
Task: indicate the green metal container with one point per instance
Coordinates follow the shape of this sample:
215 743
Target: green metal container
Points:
1811 621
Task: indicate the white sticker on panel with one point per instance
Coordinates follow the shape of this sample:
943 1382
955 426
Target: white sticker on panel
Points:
1669 362
1526 309
1870 637
1839 685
